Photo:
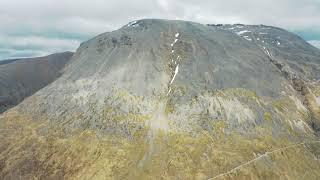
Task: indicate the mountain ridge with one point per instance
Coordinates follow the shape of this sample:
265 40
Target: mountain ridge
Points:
21 78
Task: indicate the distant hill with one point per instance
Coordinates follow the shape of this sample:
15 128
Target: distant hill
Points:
20 78
2 62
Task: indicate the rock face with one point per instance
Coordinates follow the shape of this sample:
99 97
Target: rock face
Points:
173 100
21 78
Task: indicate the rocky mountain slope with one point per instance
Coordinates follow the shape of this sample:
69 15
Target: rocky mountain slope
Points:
160 99
20 78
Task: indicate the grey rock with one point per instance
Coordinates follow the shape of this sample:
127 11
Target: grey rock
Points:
130 71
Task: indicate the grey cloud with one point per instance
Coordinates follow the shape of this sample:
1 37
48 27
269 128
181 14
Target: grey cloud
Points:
113 13
89 18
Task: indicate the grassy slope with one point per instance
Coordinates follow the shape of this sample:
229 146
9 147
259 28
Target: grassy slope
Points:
43 150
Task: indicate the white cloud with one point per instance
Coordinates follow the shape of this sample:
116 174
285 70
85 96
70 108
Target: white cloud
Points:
164 4
25 46
113 13
11 53
89 26
89 18
34 41
315 43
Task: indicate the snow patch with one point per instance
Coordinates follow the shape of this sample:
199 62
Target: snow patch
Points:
268 53
265 50
247 38
175 41
242 32
177 35
169 91
175 73
133 24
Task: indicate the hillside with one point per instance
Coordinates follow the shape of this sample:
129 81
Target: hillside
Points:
20 78
161 99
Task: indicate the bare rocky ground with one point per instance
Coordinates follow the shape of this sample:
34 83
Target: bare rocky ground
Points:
160 99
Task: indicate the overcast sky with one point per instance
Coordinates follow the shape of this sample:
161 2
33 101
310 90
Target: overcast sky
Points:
39 27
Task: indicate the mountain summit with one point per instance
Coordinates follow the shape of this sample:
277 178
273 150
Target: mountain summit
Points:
161 99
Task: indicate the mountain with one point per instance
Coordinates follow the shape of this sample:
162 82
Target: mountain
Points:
20 78
161 99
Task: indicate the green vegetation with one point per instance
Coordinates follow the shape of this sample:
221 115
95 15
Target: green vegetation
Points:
267 116
238 92
60 152
85 155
